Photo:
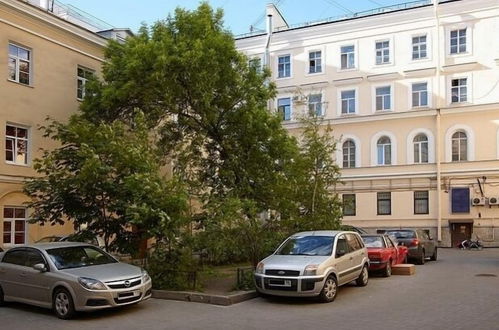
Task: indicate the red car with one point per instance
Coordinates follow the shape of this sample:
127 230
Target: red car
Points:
384 252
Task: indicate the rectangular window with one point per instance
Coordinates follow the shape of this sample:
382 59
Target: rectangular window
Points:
347 57
458 41
421 202
382 52
284 66
284 108
83 75
16 145
348 101
349 207
315 62
383 98
14 225
384 203
315 105
419 48
459 90
19 64
420 95
460 200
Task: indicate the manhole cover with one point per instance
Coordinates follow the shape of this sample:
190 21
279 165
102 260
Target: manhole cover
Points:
486 275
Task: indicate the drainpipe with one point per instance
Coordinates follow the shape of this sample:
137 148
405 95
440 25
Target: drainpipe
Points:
438 119
267 41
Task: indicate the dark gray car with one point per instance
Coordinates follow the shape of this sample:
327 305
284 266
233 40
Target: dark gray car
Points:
419 242
69 277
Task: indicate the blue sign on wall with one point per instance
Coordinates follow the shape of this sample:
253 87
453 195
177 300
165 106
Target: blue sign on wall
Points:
460 198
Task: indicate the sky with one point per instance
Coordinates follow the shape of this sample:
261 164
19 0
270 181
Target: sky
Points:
239 14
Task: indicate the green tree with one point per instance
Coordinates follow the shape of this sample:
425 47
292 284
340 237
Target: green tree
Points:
106 179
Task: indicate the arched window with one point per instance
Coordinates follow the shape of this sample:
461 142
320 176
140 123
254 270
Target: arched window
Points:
349 154
384 148
459 146
420 144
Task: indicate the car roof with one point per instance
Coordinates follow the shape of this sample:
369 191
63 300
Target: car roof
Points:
52 245
322 233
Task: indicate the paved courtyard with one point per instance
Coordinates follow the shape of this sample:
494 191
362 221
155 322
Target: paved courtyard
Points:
446 294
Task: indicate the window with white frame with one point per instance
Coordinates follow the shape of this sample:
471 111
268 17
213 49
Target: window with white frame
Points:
458 41
315 105
16 144
420 144
284 66
420 94
349 154
384 150
19 64
348 101
459 90
459 146
383 98
14 225
419 47
382 52
315 62
284 108
83 75
347 57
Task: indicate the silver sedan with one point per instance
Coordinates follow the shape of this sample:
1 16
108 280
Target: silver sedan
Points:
69 277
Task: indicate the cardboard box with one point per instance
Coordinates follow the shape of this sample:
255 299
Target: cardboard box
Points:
404 269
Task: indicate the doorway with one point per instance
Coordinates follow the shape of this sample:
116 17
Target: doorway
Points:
460 232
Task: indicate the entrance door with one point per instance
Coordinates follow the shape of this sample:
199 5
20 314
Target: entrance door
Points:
460 232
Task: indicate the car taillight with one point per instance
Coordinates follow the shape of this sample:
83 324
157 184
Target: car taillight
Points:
414 242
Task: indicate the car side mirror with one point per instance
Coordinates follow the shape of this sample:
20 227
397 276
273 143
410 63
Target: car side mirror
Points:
40 267
340 253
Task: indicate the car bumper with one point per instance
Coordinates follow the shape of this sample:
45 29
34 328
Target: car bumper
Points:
299 286
414 252
377 264
89 300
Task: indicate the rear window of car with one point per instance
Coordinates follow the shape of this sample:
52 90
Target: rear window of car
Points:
307 246
374 241
79 256
401 234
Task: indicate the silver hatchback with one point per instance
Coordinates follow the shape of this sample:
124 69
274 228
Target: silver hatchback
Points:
70 277
314 263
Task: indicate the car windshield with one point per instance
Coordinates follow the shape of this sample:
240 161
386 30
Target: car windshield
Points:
49 239
79 256
373 241
401 234
307 246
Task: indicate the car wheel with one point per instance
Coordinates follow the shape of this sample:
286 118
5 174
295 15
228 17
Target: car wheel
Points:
329 290
421 259
2 300
387 272
363 277
434 256
63 304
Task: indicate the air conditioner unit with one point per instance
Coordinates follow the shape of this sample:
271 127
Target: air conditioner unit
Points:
478 201
493 200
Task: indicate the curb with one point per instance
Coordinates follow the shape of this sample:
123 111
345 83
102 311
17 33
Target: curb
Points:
220 300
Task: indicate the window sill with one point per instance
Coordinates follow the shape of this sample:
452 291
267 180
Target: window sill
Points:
16 164
19 83
348 69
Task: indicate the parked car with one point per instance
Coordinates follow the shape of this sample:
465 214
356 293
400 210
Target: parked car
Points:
70 277
384 252
358 230
419 242
312 264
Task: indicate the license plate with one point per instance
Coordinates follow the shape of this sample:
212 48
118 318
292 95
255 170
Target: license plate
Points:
125 295
286 283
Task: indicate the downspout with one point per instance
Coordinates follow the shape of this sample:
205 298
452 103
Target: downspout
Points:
266 56
438 127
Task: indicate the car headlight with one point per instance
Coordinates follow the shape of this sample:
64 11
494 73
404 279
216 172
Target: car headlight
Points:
259 268
310 270
145 276
91 284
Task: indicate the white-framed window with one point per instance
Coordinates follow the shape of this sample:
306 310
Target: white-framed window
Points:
349 152
315 61
315 105
419 94
16 144
420 145
14 225
82 77
419 47
284 108
19 64
459 146
348 101
383 98
382 52
384 151
347 57
284 66
458 41
459 90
